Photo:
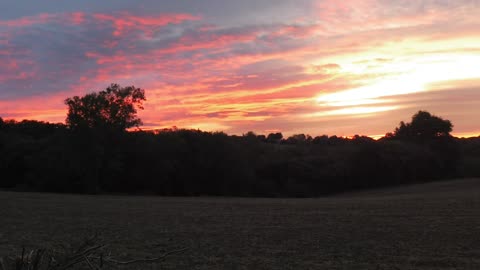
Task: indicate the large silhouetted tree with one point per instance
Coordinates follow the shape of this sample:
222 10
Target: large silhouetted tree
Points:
113 108
434 133
424 126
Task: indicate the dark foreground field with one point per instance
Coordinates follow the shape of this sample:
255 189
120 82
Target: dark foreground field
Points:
431 226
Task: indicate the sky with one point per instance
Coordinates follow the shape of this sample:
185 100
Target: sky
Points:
292 66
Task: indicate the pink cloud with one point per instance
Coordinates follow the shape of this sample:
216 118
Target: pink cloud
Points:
45 18
260 77
28 20
361 15
124 21
77 17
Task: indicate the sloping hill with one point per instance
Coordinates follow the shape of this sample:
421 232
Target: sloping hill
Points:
428 226
440 188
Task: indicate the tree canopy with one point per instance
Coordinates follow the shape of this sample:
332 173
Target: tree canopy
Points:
274 137
424 126
115 107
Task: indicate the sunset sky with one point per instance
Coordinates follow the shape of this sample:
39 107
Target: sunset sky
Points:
295 66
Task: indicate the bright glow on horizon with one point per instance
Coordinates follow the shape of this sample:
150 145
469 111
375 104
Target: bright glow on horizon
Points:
353 111
414 77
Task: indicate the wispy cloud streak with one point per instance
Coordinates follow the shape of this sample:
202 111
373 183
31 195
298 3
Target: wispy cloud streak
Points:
340 63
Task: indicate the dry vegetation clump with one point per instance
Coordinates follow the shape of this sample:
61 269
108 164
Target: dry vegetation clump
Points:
90 254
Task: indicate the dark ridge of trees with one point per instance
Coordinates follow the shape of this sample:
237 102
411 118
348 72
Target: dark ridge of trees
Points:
93 154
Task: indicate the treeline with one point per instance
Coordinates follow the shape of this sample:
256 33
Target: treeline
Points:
42 156
94 153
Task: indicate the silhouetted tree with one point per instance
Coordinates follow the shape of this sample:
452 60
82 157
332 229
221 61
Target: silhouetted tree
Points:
424 126
433 132
320 140
102 117
298 138
115 108
274 137
262 138
361 139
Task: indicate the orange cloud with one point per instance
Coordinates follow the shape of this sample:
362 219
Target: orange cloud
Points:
354 62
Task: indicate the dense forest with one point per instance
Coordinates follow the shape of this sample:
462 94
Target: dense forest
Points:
95 153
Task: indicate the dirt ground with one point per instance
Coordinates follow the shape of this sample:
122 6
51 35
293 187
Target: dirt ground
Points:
428 226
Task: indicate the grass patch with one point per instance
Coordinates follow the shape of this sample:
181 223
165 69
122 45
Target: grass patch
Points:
90 254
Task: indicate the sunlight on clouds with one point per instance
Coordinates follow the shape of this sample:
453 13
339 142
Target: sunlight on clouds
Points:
406 77
376 59
345 103
368 94
56 116
354 111
362 110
